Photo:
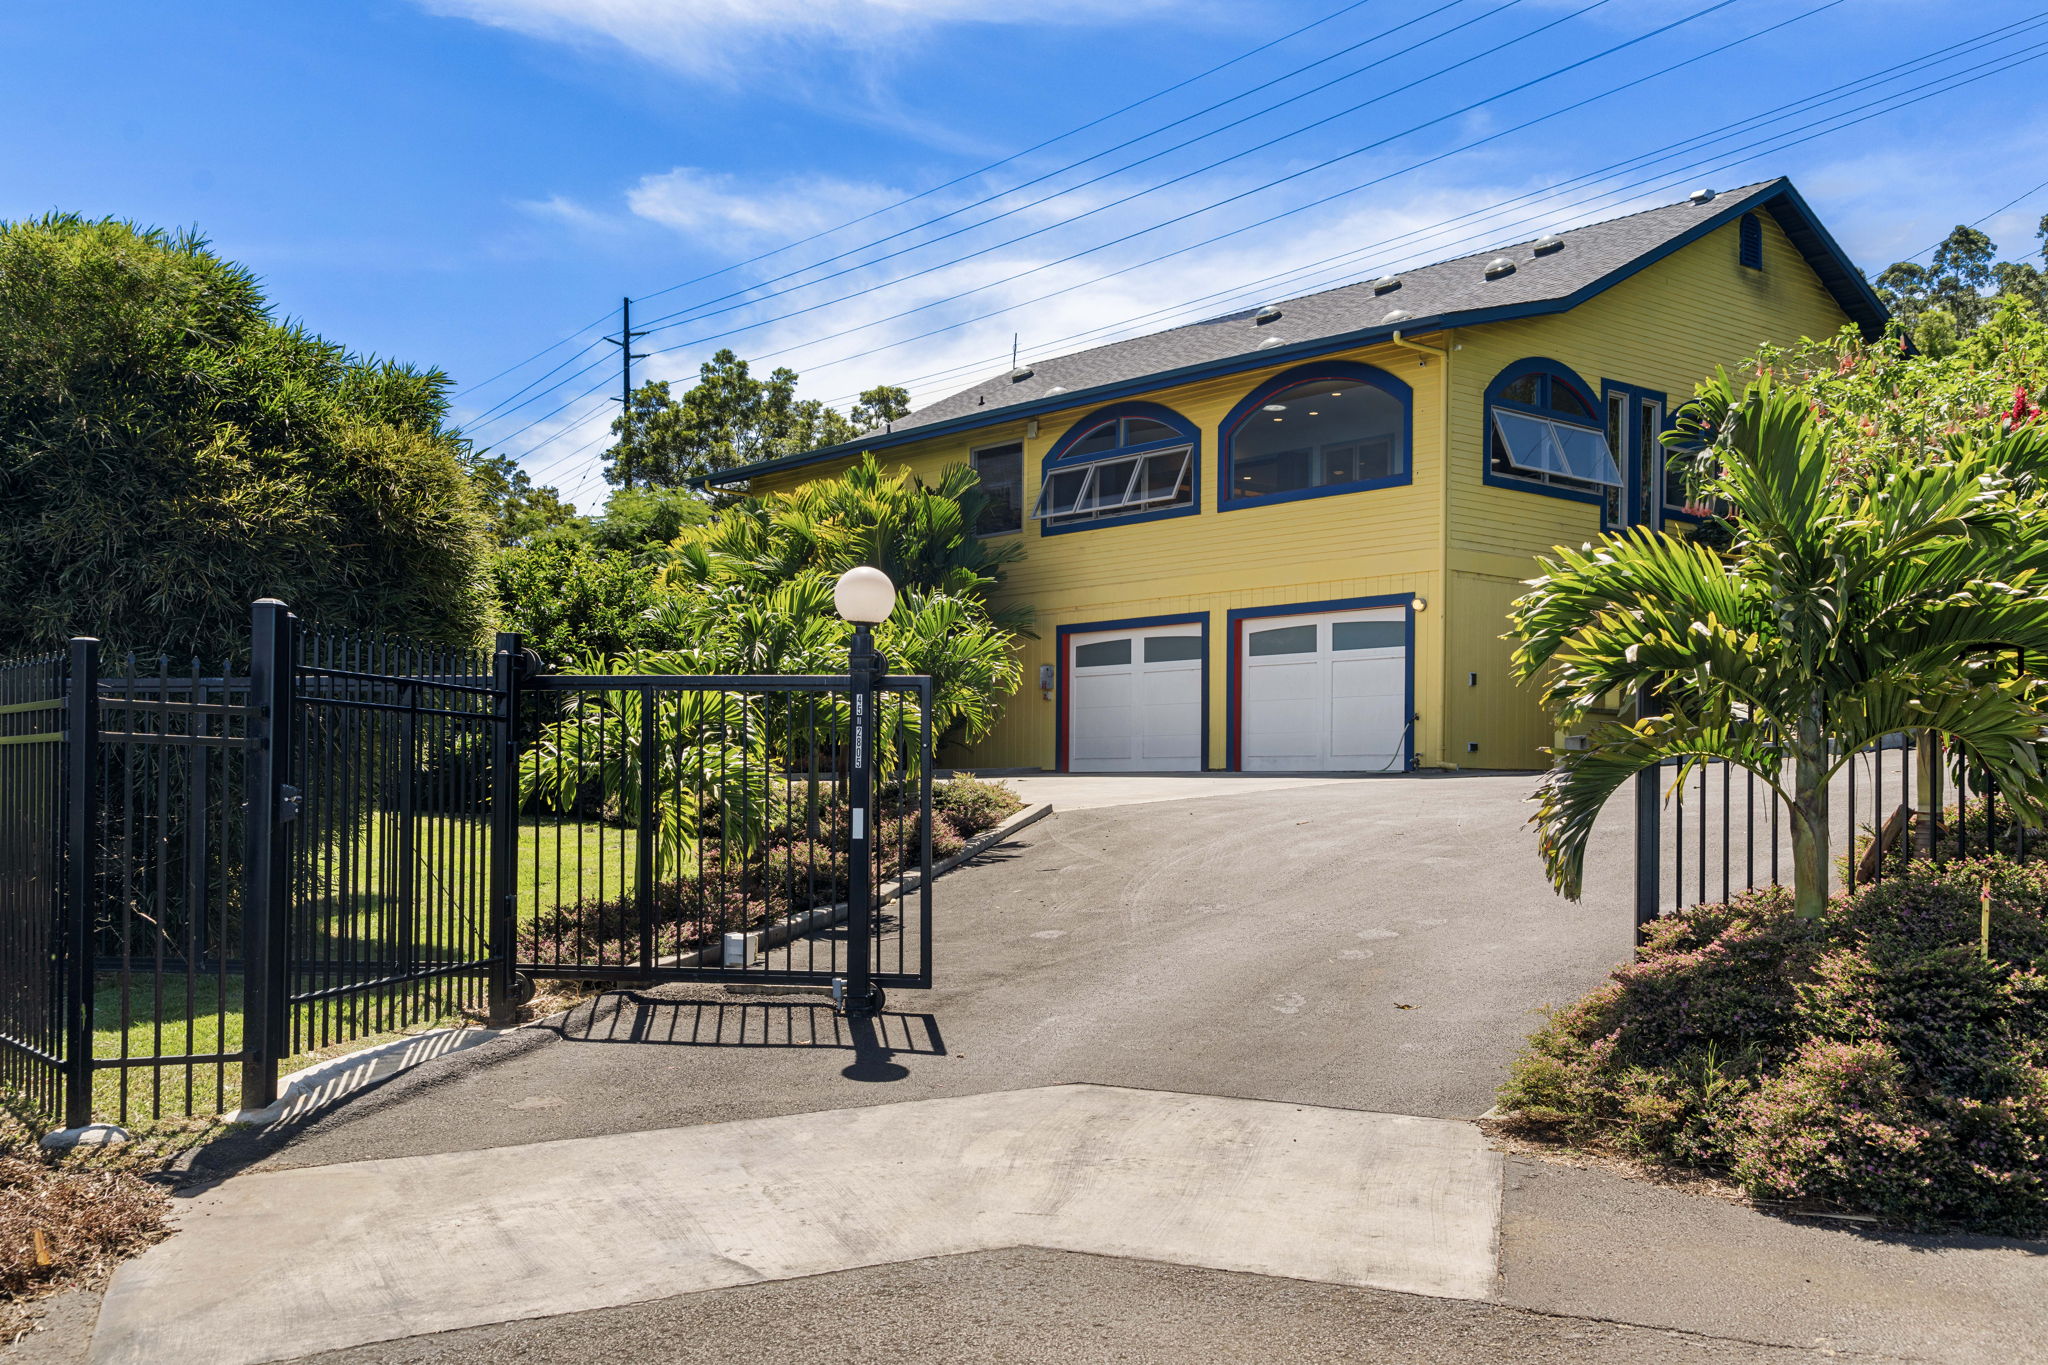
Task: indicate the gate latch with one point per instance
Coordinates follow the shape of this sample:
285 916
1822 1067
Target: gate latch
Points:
289 802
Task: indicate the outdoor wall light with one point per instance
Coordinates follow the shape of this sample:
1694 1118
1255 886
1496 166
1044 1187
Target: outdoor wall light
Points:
864 595
1420 604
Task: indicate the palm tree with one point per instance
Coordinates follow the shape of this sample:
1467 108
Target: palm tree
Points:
1843 611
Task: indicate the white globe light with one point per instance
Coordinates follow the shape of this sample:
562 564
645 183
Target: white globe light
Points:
864 595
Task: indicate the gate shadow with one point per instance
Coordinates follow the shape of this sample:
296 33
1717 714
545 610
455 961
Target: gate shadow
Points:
635 1017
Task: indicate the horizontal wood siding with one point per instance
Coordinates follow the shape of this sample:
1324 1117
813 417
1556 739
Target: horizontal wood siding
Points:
1664 329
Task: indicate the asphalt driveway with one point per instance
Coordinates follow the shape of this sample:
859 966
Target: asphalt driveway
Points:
1377 944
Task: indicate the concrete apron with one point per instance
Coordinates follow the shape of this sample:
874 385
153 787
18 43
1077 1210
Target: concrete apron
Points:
275 1265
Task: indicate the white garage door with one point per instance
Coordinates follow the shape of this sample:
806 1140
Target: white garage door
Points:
1134 700
1324 693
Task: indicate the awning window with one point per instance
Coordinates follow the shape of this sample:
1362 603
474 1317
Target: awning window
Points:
1539 445
1115 487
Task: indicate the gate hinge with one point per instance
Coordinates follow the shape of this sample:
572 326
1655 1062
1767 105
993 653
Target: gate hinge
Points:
289 802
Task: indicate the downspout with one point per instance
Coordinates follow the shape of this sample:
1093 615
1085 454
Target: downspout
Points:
1443 384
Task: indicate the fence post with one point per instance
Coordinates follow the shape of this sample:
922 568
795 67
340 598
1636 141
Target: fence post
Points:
1649 833
81 858
1925 798
857 998
504 894
265 900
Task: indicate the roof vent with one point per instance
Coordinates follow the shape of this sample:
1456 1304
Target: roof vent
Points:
1270 342
1020 374
1268 312
1499 266
1545 245
1386 284
1397 315
1701 196
1057 388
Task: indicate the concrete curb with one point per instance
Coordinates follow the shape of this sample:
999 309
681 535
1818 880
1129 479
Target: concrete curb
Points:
739 949
328 1082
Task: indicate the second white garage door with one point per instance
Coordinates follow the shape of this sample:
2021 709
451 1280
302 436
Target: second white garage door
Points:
1134 700
1324 693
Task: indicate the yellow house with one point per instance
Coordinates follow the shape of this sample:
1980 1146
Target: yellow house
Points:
1286 539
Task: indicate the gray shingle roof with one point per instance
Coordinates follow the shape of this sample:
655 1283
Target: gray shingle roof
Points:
1428 292
1458 292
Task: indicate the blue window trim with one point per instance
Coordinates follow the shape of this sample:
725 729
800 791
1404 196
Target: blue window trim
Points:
1234 640
1305 374
1189 435
1635 394
1750 239
1200 618
1493 399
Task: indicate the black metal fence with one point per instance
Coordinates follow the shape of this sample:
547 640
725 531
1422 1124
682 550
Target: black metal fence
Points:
1723 831
206 871
701 829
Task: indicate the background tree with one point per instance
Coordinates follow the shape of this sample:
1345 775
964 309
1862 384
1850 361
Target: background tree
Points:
170 452
1961 288
641 521
573 600
729 418
515 510
1844 611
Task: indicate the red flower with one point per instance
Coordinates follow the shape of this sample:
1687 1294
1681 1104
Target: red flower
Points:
2023 409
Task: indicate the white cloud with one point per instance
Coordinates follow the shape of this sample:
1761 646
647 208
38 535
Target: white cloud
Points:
735 211
712 37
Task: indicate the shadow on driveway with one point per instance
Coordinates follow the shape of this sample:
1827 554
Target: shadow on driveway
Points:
642 1018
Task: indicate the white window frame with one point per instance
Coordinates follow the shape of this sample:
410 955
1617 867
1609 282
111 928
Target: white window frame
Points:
1133 498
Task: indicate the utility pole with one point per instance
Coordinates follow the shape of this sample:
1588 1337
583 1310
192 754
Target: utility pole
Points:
627 355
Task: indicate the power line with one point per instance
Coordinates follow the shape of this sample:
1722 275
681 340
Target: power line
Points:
2035 54
1985 219
1549 191
1077 129
1596 4
1150 133
1823 97
1015 156
1230 199
1187 175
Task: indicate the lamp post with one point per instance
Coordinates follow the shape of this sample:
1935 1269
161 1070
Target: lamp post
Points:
864 596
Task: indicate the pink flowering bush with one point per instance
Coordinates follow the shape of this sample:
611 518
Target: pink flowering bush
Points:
1873 1060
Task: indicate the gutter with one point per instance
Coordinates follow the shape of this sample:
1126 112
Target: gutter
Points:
1443 354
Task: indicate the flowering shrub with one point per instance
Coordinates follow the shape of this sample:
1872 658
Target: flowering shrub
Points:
1883 402
973 806
1872 1060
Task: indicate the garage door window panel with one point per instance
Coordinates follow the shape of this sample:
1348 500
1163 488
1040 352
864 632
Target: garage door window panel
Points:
1283 640
1102 654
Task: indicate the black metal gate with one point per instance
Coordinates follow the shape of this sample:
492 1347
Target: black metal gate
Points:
206 871
704 829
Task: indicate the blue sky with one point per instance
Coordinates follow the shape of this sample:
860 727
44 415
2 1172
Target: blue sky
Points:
463 183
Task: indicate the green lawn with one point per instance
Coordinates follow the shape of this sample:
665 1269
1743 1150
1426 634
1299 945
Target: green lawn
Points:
559 864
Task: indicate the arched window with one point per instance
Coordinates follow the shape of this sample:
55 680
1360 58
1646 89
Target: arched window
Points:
1335 427
1545 433
1128 462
